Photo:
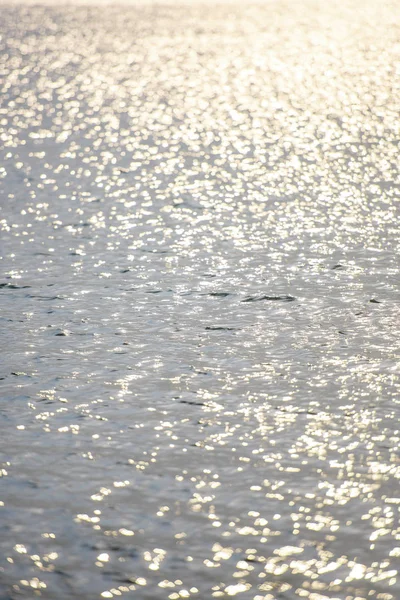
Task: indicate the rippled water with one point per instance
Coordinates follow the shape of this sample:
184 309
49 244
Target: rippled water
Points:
200 233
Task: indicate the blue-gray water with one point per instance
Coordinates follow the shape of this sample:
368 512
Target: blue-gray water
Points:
200 233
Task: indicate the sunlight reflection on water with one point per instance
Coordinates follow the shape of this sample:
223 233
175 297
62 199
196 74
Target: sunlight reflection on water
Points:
199 244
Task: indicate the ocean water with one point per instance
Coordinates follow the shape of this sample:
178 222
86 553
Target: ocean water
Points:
199 301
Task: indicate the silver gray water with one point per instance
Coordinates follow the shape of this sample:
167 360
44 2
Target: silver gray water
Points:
200 233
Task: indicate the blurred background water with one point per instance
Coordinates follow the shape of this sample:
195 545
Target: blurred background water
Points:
200 301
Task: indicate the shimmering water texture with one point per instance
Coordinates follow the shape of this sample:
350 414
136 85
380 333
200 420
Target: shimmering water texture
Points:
200 235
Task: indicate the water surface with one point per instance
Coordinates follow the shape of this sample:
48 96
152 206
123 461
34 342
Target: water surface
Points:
200 233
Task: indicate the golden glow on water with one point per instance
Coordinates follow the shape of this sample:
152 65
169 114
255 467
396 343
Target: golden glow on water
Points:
199 249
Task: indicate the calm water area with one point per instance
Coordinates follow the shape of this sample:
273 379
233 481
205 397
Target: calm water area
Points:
199 301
